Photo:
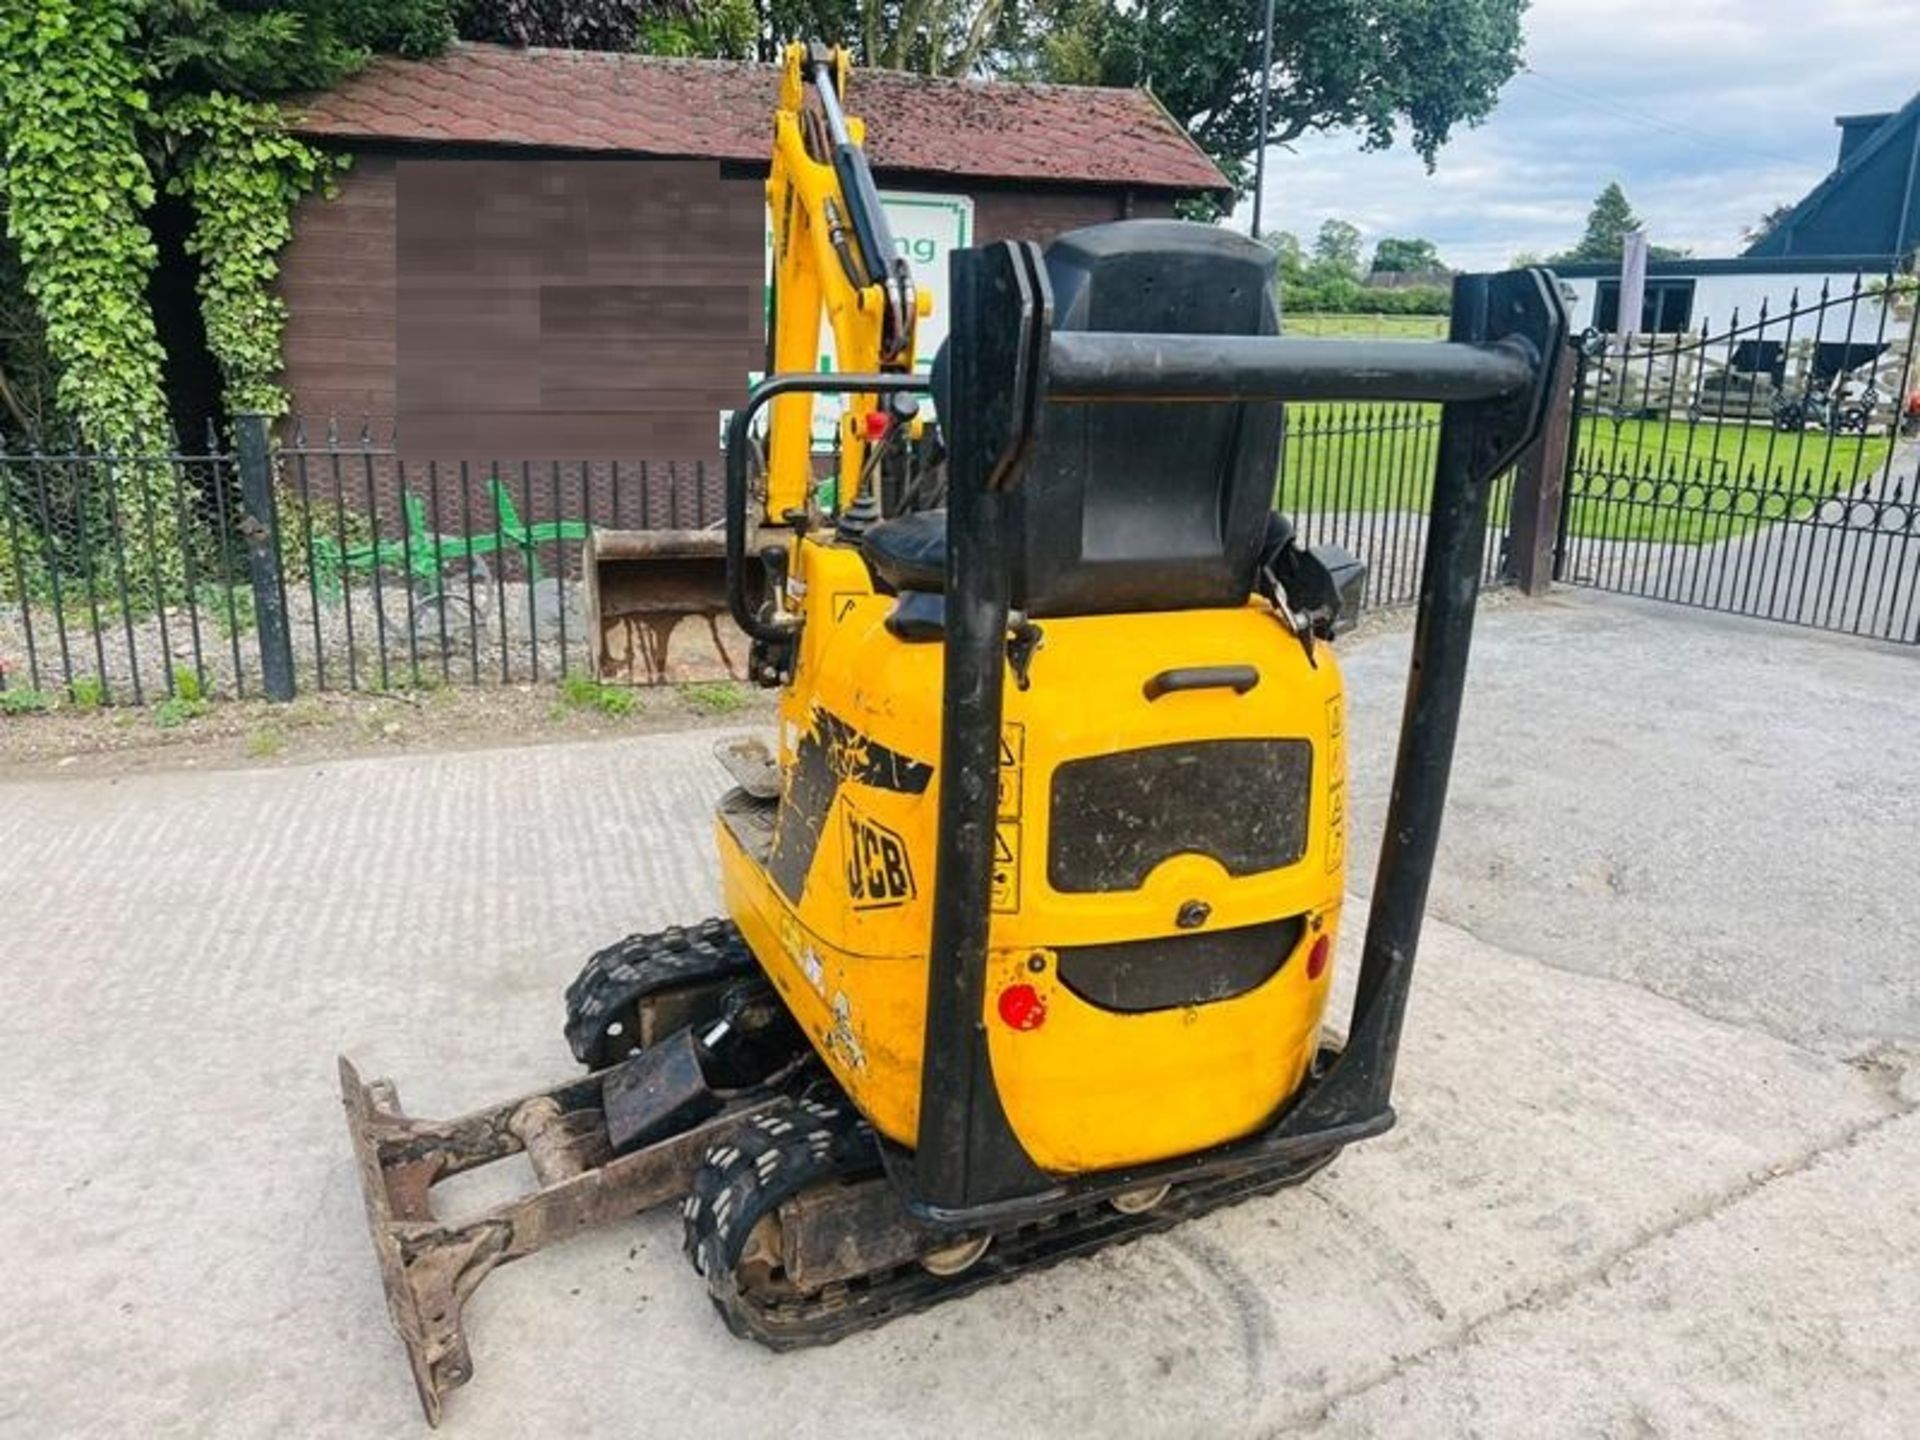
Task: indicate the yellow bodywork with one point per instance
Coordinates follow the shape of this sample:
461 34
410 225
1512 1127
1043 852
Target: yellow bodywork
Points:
846 941
803 200
1090 1088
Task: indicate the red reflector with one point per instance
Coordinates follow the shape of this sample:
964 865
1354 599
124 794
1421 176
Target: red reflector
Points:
877 423
1317 958
1022 1008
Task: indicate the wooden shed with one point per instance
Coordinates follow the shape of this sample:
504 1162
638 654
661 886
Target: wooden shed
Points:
545 255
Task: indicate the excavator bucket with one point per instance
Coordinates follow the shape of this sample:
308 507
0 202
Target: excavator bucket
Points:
641 586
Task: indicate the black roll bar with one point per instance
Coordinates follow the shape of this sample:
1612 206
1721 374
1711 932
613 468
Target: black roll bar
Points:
1085 365
1494 375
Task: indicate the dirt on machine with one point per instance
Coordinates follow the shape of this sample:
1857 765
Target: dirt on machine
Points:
1030 902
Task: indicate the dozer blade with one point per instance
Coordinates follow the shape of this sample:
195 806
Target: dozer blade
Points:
429 1268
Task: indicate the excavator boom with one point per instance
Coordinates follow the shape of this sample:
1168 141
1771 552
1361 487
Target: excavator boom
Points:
834 265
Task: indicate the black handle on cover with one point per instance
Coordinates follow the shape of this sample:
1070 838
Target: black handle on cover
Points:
1237 678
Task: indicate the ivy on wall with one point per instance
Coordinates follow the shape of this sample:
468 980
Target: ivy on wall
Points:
243 175
72 100
81 142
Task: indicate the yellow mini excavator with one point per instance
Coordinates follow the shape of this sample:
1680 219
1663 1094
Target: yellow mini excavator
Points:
1031 905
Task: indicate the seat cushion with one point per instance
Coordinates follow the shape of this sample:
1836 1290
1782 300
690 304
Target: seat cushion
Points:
909 552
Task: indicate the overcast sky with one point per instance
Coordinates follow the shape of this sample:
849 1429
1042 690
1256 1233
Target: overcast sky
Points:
1708 112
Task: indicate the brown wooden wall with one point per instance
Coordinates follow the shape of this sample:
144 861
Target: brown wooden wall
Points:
574 308
1027 214
547 309
339 278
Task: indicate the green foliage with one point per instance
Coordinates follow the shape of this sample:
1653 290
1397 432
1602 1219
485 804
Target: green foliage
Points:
1766 224
1336 249
1395 256
243 174
315 533
1349 297
228 606
580 692
177 710
265 743
713 29
187 686
571 24
88 692
1329 281
1608 225
100 97
1286 247
25 702
72 96
268 47
713 697
1381 67
929 37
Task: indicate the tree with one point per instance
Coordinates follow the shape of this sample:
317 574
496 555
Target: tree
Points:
1336 249
1606 235
1379 67
1766 224
1286 245
1395 256
929 37
1607 226
594 24
714 29
256 48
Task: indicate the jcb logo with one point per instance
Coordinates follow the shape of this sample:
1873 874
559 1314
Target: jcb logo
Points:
878 871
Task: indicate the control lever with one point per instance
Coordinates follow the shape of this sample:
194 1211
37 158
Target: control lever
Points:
773 560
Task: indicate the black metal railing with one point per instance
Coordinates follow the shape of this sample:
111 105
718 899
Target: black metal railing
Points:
409 572
312 560
1764 469
1361 477
123 574
321 558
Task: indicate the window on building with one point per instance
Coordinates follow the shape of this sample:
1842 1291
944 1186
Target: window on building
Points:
1666 308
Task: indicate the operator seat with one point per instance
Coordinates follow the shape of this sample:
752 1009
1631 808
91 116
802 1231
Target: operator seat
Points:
1147 506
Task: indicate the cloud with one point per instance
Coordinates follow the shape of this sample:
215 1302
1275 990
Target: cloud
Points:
1708 112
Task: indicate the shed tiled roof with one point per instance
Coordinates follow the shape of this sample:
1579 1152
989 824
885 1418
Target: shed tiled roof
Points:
642 105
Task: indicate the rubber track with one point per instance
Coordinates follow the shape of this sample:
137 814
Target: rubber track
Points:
741 1183
609 989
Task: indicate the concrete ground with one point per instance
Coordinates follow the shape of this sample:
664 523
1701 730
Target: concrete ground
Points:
1654 1173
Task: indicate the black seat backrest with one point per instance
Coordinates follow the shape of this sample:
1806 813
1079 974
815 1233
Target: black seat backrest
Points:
1150 506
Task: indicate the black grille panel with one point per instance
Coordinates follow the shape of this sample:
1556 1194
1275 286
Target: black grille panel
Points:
1115 817
1135 975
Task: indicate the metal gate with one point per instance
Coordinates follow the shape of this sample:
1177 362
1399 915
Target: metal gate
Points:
1764 469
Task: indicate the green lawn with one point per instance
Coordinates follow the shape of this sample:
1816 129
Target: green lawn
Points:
1652 479
1379 327
1358 457
1637 479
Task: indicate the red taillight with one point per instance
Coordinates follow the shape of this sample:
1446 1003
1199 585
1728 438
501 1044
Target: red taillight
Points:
1022 1008
877 424
1317 958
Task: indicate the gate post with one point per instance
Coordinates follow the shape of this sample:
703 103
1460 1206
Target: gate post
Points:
1539 493
260 528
